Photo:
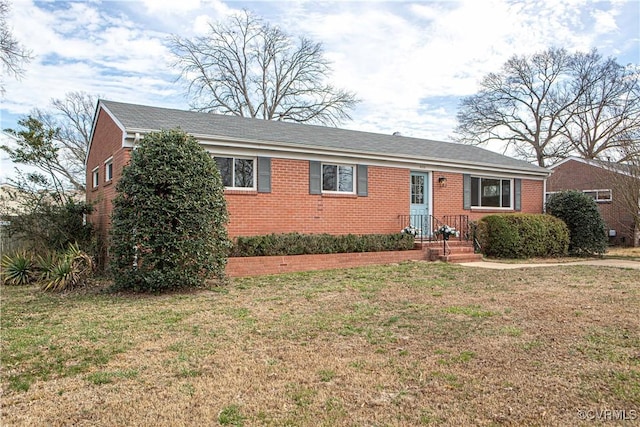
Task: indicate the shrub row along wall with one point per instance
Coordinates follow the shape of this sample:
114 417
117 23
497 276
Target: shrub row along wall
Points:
255 266
302 244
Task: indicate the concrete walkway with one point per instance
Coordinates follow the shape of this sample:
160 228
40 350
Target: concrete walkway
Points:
620 263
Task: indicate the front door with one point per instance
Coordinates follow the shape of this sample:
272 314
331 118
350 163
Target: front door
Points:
419 209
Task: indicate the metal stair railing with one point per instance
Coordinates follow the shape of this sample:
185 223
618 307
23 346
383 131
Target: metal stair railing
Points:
423 227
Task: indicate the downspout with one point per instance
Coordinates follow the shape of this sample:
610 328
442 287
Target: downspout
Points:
544 193
544 196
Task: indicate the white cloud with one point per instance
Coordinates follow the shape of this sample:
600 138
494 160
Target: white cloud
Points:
605 22
83 48
170 7
400 56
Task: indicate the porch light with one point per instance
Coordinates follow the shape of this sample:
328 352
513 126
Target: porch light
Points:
443 181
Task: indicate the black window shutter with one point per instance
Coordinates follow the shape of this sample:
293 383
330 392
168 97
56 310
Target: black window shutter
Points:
315 178
466 191
517 194
363 181
264 174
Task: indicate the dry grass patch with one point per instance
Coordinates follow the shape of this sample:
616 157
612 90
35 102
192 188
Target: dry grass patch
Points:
622 252
413 344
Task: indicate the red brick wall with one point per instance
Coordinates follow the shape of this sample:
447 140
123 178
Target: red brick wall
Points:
447 200
290 208
107 142
532 196
576 175
253 266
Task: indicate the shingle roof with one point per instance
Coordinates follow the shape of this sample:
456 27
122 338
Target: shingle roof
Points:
145 118
625 168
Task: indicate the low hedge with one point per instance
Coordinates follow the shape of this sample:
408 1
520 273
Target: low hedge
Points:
302 244
522 236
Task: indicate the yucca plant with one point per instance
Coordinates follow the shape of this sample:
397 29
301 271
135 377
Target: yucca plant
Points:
45 265
60 277
17 270
68 271
80 259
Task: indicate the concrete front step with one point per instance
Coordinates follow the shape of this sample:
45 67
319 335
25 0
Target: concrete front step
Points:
460 257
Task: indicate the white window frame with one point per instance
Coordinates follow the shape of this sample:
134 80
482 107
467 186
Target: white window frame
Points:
338 165
597 195
511 193
233 172
549 194
95 177
108 172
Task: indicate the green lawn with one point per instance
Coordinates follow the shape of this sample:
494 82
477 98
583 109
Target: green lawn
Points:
412 344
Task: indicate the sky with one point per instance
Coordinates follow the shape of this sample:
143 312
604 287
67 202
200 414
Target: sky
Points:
409 62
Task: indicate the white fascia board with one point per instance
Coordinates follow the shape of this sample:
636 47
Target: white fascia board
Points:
302 152
93 129
242 147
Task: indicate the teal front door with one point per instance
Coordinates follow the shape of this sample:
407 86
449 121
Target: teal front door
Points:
419 209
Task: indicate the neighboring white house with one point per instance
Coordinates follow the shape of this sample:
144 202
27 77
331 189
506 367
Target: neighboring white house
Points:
9 203
6 165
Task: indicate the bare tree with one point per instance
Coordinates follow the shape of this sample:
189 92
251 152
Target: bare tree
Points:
13 56
607 118
626 186
552 104
246 67
56 141
72 118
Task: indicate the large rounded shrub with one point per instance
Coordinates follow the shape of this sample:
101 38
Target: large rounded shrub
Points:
169 217
522 236
587 234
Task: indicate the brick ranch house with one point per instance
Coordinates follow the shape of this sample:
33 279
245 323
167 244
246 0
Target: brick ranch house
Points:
283 177
615 190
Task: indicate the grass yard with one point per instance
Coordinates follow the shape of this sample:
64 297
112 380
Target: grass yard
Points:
411 344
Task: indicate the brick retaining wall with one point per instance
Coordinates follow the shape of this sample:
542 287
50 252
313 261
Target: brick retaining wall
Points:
255 266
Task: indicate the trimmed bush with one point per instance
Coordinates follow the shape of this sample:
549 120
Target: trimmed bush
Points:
301 244
587 235
522 236
169 217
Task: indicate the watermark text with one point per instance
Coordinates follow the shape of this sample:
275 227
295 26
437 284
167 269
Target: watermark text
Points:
604 414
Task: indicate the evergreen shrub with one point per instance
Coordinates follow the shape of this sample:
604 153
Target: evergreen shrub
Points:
169 217
587 234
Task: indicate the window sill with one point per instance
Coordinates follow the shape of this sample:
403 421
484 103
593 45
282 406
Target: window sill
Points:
487 209
234 191
108 183
340 196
